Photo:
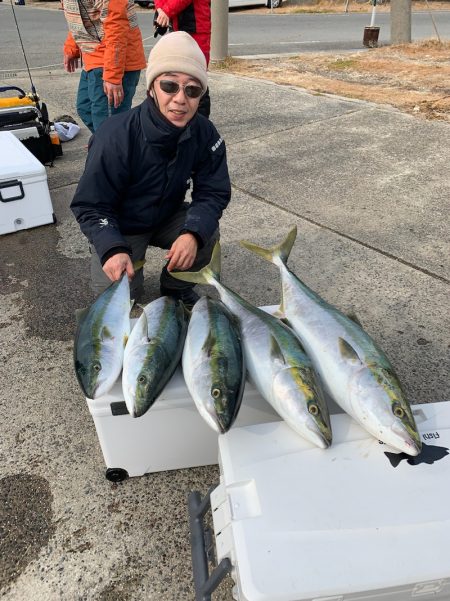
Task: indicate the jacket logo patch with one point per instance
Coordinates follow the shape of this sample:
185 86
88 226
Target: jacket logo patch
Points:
103 222
217 144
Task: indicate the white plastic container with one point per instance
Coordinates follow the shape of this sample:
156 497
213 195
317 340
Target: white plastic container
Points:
24 195
303 524
170 435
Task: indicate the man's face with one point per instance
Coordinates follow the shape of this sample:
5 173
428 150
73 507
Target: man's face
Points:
177 106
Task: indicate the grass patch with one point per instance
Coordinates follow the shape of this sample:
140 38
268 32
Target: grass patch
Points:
227 64
342 64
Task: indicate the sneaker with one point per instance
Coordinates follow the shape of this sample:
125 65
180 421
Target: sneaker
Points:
187 295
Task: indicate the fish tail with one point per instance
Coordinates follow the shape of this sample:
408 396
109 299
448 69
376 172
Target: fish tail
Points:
206 275
395 458
279 251
138 264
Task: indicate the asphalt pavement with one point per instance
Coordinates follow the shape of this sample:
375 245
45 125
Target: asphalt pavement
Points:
248 34
369 190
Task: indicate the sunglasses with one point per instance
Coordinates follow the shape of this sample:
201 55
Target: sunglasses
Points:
173 87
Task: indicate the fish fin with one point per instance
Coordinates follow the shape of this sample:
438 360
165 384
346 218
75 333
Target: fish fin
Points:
105 333
145 319
80 314
395 458
348 352
139 264
205 275
125 340
280 313
354 317
209 344
275 350
281 250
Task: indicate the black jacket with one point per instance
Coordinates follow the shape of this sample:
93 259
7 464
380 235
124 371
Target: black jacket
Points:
137 174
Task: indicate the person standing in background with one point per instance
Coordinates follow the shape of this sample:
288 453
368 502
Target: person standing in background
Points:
194 17
106 36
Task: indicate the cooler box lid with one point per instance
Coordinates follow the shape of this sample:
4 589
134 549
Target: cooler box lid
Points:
306 523
16 161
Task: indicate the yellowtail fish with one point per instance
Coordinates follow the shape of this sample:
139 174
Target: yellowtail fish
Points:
355 371
152 353
213 363
100 339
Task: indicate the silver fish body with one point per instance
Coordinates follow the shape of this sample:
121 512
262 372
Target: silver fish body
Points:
213 363
152 353
354 370
275 361
100 340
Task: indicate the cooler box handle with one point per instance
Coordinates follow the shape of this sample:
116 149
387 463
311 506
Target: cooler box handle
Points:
9 184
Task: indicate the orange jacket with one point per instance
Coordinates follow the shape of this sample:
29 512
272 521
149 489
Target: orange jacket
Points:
109 37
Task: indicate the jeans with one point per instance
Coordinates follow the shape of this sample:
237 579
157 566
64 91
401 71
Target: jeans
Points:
163 237
92 102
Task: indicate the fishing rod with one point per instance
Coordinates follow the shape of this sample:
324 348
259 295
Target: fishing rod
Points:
16 113
33 96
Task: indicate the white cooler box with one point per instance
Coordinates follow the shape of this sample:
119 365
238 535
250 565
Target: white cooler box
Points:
350 523
170 435
24 195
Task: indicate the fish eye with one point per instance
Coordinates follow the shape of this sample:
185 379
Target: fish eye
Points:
142 379
398 412
216 393
313 409
97 367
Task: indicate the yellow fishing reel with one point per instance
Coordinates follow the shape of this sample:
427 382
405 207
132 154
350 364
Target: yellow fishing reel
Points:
22 99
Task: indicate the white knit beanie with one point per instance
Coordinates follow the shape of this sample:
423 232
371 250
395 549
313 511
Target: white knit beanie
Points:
180 53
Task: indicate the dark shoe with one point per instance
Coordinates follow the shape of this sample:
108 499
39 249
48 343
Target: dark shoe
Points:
187 295
137 294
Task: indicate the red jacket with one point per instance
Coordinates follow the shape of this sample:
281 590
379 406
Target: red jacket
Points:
192 16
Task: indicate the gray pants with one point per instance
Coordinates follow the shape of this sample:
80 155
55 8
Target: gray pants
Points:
163 237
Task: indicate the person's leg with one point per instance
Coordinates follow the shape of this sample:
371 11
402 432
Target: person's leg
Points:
129 83
166 235
100 281
99 101
83 102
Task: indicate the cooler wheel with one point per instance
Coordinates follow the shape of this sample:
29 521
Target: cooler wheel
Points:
116 474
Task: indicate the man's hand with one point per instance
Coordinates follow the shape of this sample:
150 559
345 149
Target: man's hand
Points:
114 93
162 19
182 253
116 265
70 64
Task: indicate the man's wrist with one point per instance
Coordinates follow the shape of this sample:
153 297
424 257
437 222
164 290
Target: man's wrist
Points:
196 236
115 251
